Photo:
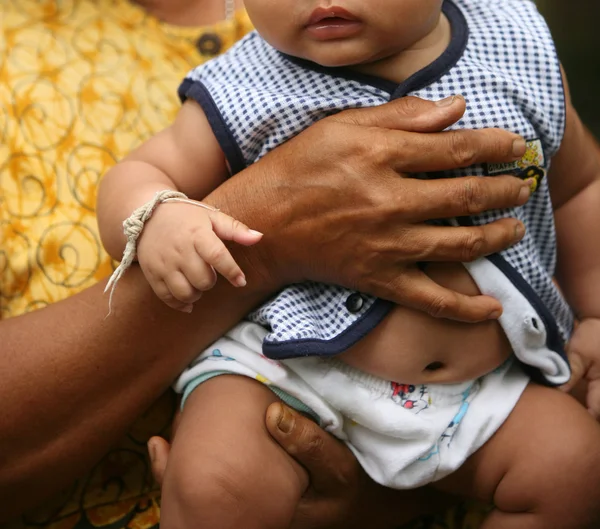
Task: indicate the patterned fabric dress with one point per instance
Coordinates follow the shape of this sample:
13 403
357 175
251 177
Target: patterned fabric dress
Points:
81 83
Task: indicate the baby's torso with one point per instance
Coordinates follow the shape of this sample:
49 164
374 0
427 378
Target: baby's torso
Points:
501 59
411 347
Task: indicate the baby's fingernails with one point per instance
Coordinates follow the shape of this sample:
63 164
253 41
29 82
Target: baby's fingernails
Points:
254 232
188 309
240 281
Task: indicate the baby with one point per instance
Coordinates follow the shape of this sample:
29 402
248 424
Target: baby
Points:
418 400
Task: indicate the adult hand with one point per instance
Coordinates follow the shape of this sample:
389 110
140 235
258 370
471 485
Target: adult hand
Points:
335 191
340 494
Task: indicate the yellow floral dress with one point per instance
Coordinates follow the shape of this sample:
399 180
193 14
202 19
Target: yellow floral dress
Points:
82 82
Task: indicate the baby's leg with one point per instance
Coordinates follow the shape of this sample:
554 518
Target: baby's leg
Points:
542 468
224 470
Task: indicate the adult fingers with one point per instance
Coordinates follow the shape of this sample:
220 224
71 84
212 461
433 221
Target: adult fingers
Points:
421 200
230 229
330 464
414 289
212 250
408 114
426 152
158 450
464 243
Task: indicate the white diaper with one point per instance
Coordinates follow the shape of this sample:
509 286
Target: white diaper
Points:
404 436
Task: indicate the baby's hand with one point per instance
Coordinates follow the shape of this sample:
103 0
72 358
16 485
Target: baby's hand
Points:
181 247
584 355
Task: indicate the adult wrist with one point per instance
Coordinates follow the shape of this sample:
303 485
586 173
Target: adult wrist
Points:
263 263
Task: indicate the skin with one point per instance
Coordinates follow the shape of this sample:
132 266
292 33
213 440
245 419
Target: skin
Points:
48 441
394 40
209 480
502 482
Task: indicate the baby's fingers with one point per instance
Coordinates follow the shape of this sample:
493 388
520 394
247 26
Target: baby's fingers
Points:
229 229
212 250
163 291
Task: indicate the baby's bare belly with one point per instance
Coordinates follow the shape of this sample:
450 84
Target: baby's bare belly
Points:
409 346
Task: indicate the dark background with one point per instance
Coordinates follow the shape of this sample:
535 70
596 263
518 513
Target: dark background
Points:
575 25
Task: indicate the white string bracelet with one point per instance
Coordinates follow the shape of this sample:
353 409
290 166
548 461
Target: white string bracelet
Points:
133 227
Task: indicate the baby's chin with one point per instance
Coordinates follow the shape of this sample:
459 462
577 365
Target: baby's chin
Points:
330 57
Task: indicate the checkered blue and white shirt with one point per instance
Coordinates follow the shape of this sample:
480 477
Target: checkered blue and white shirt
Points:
501 59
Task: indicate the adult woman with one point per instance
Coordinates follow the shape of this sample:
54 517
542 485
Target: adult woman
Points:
107 72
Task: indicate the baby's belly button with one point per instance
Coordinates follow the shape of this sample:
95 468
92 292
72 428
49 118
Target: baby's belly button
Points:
445 356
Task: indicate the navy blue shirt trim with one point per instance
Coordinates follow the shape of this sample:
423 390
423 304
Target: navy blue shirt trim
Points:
341 343
196 90
554 342
446 61
428 75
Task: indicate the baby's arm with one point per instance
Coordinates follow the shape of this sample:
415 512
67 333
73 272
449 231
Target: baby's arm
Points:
180 247
574 181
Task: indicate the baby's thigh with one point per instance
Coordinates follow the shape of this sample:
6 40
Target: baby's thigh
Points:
544 459
224 468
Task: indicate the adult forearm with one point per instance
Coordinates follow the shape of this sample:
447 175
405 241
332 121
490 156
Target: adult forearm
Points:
74 381
332 207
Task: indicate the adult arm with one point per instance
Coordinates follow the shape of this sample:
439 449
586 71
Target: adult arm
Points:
73 381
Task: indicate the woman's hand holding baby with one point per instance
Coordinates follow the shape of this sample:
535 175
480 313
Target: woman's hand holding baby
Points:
181 250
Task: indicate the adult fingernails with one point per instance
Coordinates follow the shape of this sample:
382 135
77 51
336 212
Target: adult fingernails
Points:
445 102
532 183
286 420
254 232
519 231
240 280
524 194
151 451
519 147
188 309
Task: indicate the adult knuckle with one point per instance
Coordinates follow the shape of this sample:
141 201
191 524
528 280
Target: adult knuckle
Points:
473 245
472 196
438 306
463 149
378 152
314 446
408 107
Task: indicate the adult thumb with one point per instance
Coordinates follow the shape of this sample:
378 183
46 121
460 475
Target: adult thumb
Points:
158 450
